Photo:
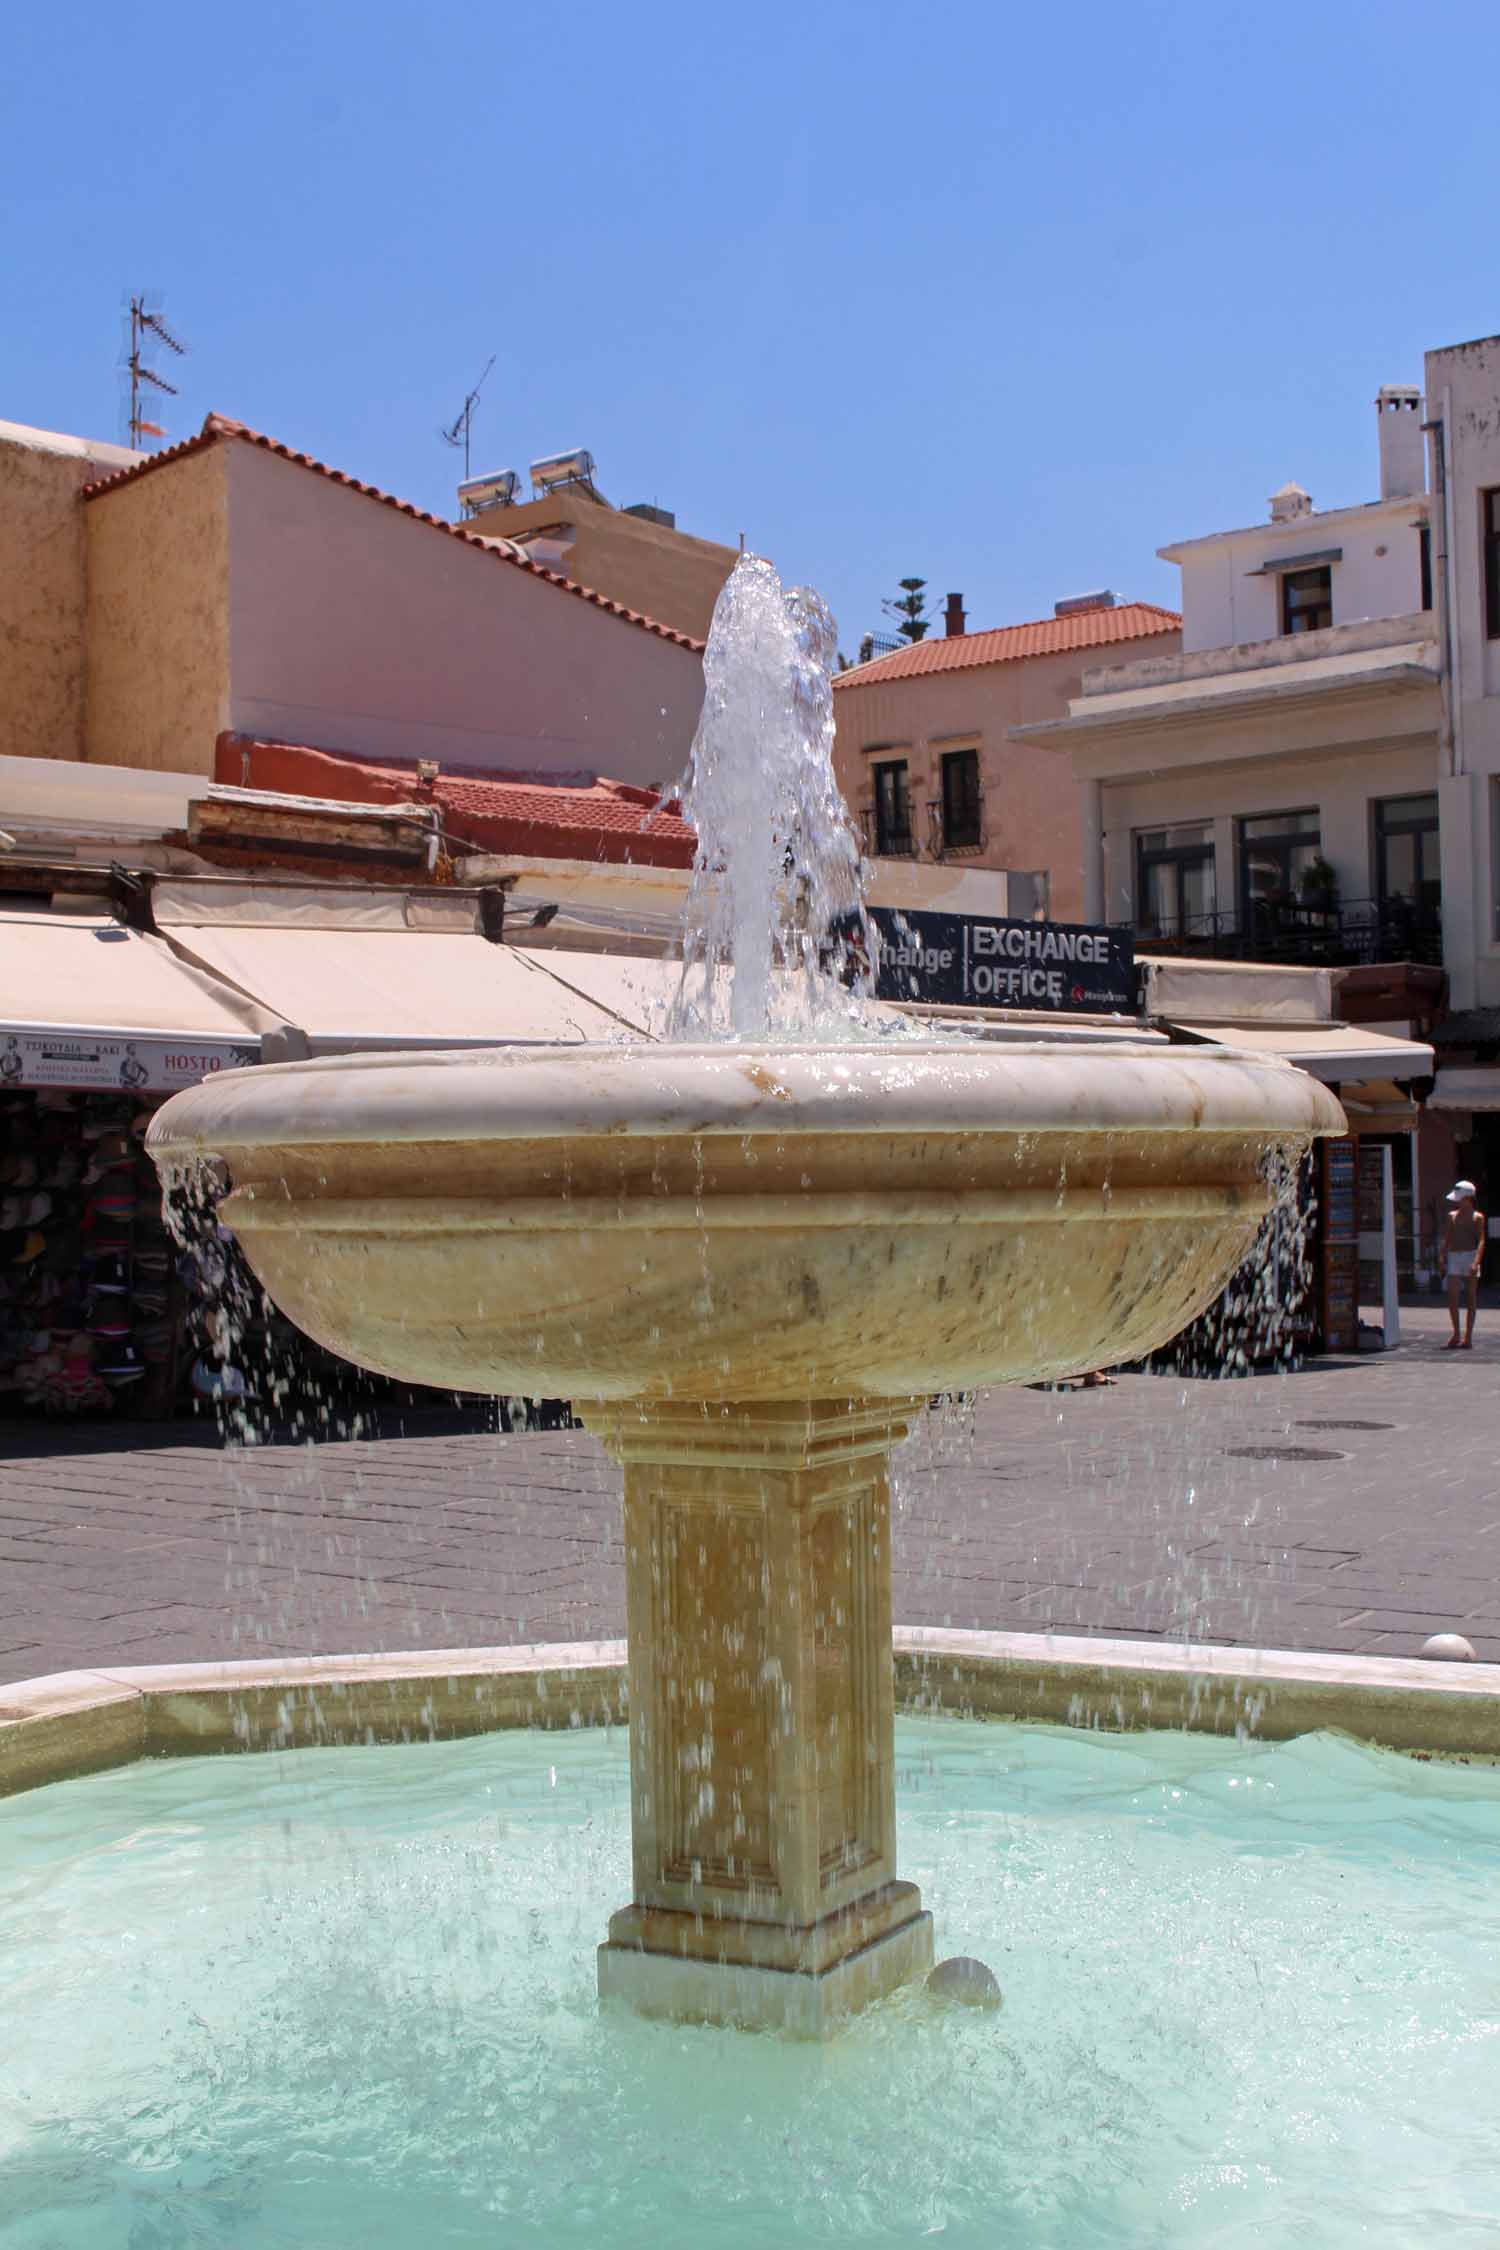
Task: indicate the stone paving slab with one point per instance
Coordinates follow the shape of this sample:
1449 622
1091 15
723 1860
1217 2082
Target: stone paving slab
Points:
1352 1507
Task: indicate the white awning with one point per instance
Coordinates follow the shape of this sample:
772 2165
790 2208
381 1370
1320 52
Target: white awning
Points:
363 989
1188 990
1477 1087
636 992
640 992
84 1002
1333 1052
1377 1105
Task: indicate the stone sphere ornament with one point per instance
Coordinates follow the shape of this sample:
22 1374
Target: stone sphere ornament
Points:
1450 1648
965 1982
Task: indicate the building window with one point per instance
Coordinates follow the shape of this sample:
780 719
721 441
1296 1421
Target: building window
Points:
1307 600
1276 852
1491 521
1176 892
893 838
1406 871
962 804
1424 563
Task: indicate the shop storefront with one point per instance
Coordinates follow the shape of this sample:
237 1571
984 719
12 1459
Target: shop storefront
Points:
1355 1240
1466 1099
104 1311
98 1025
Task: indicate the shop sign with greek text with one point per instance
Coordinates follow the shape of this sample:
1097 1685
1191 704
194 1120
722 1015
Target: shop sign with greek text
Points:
143 1066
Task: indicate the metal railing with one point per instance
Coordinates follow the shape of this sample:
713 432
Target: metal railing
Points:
1337 933
941 845
881 841
904 843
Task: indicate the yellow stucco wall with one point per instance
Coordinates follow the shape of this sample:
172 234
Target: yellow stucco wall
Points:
664 573
157 679
41 598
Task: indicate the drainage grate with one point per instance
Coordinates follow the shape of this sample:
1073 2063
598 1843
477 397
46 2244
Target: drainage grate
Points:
1281 1453
1346 1425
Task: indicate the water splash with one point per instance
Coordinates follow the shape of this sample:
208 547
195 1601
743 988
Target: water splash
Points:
776 942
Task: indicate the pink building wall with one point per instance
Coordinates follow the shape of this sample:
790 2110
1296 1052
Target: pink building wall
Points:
1033 804
354 627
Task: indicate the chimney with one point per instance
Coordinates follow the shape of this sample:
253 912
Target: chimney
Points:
1290 503
1403 454
954 620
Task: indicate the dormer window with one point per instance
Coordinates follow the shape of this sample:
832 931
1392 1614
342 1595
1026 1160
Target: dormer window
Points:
1307 600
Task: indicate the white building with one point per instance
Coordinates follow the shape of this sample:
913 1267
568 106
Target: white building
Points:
1272 790
1463 404
1304 783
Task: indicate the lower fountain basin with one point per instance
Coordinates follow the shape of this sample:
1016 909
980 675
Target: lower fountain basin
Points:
346 1995
746 1223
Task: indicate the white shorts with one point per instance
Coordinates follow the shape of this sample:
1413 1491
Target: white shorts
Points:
1460 1264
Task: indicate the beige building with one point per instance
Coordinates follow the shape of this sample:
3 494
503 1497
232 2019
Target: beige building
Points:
42 586
232 585
635 555
924 749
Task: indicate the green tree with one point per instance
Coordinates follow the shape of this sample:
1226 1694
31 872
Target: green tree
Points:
910 609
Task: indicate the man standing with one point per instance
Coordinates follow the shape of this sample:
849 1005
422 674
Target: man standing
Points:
1463 1260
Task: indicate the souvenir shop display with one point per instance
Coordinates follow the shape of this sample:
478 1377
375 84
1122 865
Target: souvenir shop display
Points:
90 1303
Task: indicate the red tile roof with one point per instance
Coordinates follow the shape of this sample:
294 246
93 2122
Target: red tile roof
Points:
1009 644
218 427
489 812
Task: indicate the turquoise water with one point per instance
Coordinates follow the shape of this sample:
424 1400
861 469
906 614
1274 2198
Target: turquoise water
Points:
1252 1997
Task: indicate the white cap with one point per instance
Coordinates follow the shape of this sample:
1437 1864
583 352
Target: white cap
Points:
1460 1189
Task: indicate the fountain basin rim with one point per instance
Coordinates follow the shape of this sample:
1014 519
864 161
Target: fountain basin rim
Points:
373 1216
657 1091
68 1723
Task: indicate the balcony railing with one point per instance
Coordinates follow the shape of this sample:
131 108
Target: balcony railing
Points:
959 842
880 840
905 843
1347 933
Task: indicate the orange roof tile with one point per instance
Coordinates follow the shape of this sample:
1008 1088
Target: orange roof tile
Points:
590 819
1009 644
217 427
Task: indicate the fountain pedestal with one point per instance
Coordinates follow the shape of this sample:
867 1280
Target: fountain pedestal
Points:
758 1593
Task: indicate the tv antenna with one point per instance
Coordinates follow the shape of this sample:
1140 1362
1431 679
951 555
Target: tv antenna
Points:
146 322
457 431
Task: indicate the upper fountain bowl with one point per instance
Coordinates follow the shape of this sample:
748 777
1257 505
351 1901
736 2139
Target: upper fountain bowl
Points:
743 1222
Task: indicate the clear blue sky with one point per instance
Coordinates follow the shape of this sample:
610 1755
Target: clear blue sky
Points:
1002 296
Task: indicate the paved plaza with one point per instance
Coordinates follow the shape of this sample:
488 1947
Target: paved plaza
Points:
1352 1506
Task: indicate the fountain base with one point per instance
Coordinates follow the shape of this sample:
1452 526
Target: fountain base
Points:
758 1597
810 2003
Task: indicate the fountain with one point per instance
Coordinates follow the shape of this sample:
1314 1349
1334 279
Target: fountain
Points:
749 1255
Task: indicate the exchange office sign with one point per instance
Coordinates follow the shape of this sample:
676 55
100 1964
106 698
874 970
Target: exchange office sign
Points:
956 960
147 1066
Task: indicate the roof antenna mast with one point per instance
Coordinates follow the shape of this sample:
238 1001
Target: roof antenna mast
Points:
457 431
146 322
